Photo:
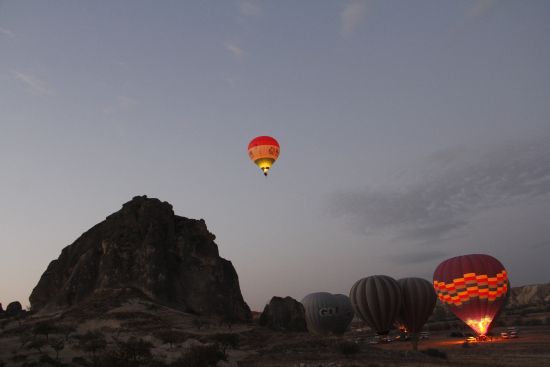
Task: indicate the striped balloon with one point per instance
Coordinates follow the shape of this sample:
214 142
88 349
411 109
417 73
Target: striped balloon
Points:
418 302
377 300
263 151
474 287
327 313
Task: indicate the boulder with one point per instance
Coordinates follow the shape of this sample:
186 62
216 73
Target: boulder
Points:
144 249
284 314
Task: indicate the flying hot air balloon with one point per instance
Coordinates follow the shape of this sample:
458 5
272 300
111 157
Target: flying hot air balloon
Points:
474 287
263 151
418 302
377 300
327 313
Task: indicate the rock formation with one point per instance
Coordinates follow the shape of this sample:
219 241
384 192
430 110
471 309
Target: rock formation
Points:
144 249
285 314
14 309
534 295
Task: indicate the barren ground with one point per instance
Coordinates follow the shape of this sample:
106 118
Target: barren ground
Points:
265 348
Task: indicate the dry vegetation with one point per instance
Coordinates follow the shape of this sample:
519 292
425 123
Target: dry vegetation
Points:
140 333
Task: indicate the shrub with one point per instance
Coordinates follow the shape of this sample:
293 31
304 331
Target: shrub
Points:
57 345
348 348
92 342
66 330
44 328
36 343
134 350
432 352
225 341
171 337
200 356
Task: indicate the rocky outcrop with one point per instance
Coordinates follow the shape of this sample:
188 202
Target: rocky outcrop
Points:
534 295
14 309
284 314
145 249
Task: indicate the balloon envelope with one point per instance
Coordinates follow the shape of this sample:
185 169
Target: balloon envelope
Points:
377 300
327 313
263 151
418 302
474 287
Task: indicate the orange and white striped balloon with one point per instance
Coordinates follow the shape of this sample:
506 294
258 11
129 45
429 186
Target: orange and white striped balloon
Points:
263 151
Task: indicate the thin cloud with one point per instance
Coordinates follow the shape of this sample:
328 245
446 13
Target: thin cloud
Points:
7 32
33 84
353 14
250 8
481 8
234 48
450 193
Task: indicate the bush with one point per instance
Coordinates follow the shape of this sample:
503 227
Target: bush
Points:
57 345
432 352
348 348
171 337
92 342
134 350
44 328
200 356
225 341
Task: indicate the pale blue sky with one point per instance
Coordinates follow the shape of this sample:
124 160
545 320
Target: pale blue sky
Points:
410 131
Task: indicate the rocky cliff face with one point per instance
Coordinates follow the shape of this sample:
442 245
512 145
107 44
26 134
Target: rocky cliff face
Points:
144 249
534 295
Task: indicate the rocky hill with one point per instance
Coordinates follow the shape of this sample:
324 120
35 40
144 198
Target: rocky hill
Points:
144 250
534 295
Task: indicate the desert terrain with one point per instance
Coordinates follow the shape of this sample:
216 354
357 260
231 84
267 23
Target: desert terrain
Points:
141 333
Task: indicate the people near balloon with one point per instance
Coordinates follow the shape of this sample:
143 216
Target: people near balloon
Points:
417 304
474 287
327 313
377 300
264 151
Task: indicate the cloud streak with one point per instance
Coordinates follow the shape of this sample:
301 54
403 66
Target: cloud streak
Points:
455 187
7 32
33 84
250 8
352 15
481 8
234 48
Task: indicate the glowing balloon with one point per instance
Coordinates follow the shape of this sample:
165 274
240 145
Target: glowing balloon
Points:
377 300
327 313
263 151
474 287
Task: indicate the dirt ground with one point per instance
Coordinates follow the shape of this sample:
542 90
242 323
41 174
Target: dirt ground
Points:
531 349
261 347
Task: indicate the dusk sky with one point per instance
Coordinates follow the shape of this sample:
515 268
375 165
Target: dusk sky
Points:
410 132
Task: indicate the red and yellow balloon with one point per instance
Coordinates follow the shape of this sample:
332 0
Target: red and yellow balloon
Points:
263 151
474 287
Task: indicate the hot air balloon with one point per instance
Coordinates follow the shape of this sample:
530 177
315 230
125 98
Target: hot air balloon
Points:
418 302
377 300
263 151
474 287
327 313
